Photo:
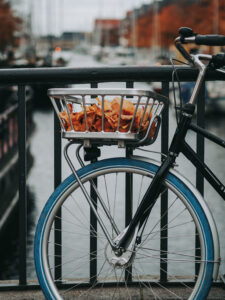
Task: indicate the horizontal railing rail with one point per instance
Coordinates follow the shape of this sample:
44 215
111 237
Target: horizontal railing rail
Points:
99 74
92 76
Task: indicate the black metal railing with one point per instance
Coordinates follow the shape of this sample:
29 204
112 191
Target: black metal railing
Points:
9 156
8 133
93 76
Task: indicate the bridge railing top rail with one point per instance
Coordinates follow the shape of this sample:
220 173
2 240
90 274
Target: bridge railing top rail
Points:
102 74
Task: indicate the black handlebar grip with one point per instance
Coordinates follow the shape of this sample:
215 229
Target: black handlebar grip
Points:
210 40
185 32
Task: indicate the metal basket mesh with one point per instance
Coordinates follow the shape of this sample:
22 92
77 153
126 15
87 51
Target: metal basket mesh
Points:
122 116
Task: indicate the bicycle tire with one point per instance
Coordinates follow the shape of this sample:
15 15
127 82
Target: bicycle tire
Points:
180 259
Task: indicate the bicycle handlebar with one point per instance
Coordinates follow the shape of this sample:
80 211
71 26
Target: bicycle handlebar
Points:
210 40
218 60
186 35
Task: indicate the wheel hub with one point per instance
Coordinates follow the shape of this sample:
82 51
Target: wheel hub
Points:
122 261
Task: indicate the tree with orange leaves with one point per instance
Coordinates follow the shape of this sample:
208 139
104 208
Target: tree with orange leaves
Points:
8 25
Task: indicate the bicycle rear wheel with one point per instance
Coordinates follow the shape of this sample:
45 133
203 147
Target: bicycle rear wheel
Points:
83 266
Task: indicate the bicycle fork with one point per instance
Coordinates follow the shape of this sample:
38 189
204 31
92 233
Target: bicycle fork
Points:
155 188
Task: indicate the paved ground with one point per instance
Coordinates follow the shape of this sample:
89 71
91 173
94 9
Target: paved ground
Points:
215 294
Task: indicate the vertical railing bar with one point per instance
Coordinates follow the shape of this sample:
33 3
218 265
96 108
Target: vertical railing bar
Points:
93 221
57 181
128 197
128 207
93 233
15 135
200 150
164 196
22 184
7 135
1 138
11 130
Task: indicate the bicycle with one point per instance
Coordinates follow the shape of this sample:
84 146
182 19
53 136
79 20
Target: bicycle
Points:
128 249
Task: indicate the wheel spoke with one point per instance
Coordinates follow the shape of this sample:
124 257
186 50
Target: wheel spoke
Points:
158 222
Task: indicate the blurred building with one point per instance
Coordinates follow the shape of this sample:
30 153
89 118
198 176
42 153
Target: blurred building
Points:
157 23
106 32
67 41
70 40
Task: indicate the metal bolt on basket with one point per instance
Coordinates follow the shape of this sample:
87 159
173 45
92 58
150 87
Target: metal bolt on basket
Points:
108 116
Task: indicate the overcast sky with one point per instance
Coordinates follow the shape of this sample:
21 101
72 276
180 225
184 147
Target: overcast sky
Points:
56 16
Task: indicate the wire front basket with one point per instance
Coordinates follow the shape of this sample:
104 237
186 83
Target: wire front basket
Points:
108 116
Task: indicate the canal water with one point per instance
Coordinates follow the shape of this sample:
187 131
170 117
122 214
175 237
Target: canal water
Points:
40 181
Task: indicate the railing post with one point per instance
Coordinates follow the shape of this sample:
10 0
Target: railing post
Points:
128 197
93 234
93 226
57 181
164 196
22 184
200 150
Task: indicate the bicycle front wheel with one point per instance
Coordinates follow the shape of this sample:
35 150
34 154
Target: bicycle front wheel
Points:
74 260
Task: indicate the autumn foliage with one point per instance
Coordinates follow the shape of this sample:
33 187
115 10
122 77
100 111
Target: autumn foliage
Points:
8 25
202 16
